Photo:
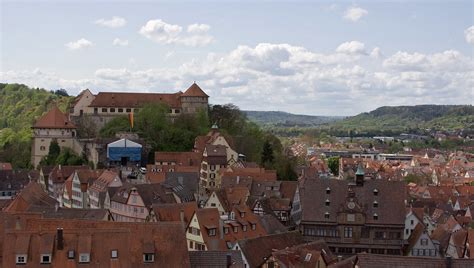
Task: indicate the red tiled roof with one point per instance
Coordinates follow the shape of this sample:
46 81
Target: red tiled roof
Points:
135 100
194 91
54 119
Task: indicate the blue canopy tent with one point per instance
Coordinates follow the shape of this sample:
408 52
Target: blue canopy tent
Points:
124 150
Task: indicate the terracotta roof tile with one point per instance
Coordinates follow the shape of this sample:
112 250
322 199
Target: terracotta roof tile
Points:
135 100
194 91
54 119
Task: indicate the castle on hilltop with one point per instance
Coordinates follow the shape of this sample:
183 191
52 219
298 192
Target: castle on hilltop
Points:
101 108
105 106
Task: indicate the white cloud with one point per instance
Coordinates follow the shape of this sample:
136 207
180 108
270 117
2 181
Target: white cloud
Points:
292 78
352 47
376 53
469 35
114 22
164 33
120 42
79 44
355 13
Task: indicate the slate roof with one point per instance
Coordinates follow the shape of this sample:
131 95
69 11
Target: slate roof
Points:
183 184
54 118
215 259
390 198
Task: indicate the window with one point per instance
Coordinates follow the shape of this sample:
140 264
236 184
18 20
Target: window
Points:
84 257
376 217
70 254
21 258
191 244
412 222
112 110
114 254
254 226
236 229
213 204
104 110
45 258
242 214
394 235
379 235
120 110
128 110
378 251
326 215
226 230
212 232
424 242
96 110
365 232
376 204
42 148
244 228
347 232
177 111
148 257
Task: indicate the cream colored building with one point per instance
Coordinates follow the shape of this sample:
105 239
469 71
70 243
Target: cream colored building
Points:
54 125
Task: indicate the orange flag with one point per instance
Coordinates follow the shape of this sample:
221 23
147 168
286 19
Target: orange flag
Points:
130 117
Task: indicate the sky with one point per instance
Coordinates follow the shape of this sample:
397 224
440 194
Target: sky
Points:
305 57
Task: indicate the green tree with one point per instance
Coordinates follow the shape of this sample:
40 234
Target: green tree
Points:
333 164
267 155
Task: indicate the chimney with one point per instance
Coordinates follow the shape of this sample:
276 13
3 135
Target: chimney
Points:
339 258
449 261
56 207
60 239
181 218
59 167
221 229
238 179
229 260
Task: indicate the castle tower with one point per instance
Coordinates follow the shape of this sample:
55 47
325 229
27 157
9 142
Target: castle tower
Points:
54 125
194 99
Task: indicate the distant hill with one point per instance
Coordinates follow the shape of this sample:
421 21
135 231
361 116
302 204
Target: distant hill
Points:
283 119
400 118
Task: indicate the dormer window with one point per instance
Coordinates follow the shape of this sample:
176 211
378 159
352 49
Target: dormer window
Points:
45 258
326 215
21 258
236 229
212 232
84 258
114 254
226 230
244 228
376 204
376 192
242 214
328 190
376 217
148 257
328 202
254 226
70 254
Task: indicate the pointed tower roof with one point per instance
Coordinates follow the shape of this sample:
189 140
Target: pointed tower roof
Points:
194 91
54 119
360 170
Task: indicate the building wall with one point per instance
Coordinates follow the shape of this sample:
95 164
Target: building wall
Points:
42 139
424 247
132 211
194 223
191 105
213 202
82 104
410 223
